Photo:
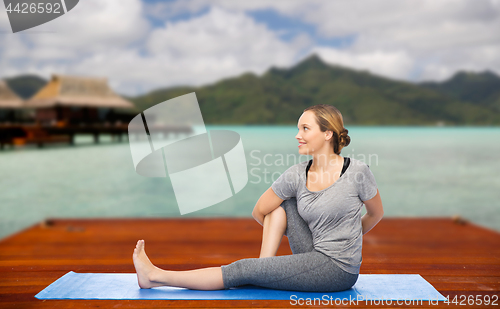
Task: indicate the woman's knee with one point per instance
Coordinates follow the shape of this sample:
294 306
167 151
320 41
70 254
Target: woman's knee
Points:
278 217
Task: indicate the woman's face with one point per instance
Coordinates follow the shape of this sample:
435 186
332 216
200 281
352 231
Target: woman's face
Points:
310 137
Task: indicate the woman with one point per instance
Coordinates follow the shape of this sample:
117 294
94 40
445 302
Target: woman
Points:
316 204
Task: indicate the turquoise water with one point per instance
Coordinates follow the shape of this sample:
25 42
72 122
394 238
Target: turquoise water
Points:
420 171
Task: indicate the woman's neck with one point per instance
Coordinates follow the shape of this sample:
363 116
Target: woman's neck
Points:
325 162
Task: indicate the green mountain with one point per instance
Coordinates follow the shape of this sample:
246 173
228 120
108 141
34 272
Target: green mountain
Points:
281 94
480 88
25 85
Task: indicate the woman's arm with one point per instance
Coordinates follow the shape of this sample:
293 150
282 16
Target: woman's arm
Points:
268 202
374 213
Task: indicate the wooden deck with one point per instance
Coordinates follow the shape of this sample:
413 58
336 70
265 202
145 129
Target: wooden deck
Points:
456 258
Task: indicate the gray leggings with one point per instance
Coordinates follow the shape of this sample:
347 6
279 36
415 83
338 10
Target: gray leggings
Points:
306 270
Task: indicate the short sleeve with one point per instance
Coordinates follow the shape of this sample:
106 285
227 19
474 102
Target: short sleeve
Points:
287 184
367 186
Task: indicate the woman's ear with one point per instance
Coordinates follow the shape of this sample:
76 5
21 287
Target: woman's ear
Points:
328 135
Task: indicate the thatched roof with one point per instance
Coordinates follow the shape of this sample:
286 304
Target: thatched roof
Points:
8 99
77 91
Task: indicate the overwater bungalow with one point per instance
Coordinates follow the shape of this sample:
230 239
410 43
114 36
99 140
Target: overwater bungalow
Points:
64 107
10 104
71 105
74 100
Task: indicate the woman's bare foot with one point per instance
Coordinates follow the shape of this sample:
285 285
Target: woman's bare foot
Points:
144 268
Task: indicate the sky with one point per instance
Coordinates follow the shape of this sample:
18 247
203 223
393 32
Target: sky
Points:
144 45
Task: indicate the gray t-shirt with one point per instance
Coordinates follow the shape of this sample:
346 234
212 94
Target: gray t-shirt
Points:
333 214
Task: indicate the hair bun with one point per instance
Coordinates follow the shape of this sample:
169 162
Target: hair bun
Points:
344 138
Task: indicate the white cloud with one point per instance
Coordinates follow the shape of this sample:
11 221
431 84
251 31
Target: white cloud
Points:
111 38
411 39
394 64
90 28
95 25
434 36
4 22
234 38
476 58
168 9
201 50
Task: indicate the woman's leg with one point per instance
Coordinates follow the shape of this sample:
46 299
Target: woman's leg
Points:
211 278
308 272
298 232
311 271
150 276
285 220
274 227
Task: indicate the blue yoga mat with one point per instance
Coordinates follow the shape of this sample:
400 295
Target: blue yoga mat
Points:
124 286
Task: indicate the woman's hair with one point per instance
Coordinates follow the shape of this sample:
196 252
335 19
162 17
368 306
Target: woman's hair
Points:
329 117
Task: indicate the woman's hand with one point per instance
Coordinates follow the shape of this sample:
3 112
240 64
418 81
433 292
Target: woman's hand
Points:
374 213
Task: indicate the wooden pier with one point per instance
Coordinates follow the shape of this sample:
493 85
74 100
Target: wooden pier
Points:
455 256
17 135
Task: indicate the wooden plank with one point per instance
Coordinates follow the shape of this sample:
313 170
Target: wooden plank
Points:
457 259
